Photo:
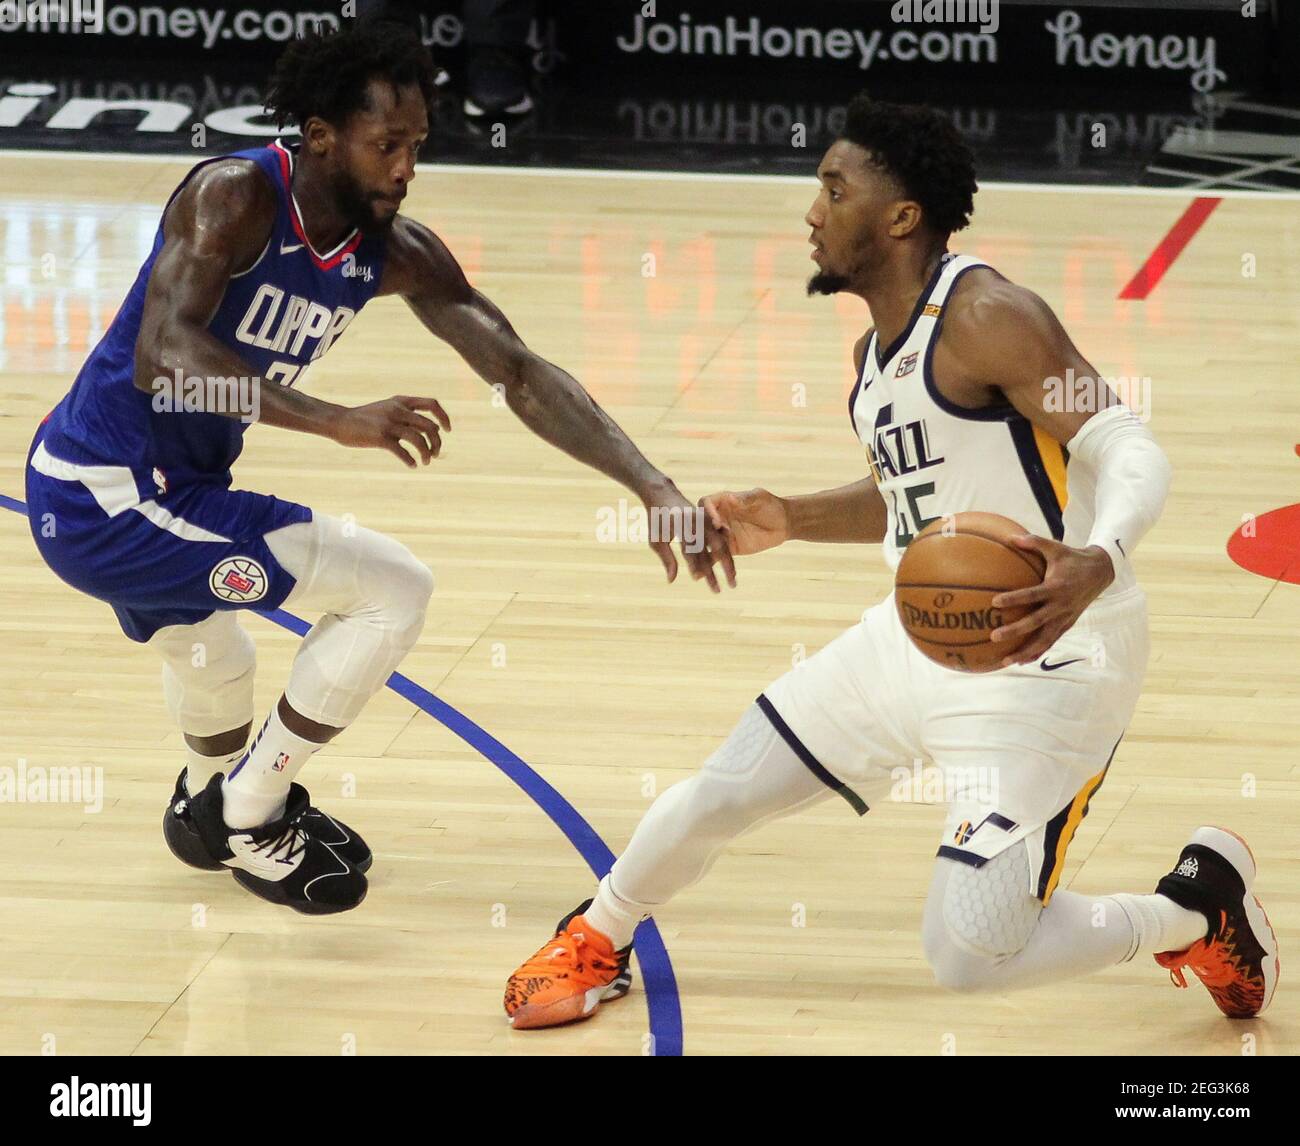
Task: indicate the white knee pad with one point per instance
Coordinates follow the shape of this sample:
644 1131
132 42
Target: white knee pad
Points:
397 586
348 570
208 671
988 910
984 915
373 592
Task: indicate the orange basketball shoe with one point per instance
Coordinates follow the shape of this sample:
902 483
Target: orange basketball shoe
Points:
1238 958
569 977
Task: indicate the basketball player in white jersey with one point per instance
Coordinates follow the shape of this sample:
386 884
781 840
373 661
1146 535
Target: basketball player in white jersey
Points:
950 405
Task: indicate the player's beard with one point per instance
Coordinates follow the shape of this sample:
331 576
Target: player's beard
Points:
833 282
359 208
827 282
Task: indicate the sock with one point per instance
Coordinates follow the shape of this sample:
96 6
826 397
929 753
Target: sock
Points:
1159 924
199 768
613 916
254 792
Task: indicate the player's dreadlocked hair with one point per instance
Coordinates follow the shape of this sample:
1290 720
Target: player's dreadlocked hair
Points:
922 150
325 73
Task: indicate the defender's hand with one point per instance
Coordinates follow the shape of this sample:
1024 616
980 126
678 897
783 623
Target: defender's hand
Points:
673 518
1073 580
751 521
386 425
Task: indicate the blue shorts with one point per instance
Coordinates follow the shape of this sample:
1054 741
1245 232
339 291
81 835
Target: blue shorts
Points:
170 560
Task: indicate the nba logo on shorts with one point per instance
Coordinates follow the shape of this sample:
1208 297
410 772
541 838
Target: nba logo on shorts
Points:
238 579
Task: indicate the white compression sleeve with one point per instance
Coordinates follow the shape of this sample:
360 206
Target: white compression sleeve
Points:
1131 479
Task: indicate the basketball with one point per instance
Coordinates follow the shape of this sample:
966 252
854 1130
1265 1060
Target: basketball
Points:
946 582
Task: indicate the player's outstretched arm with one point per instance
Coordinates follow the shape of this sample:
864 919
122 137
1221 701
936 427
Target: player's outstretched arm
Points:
1007 338
215 228
545 398
756 520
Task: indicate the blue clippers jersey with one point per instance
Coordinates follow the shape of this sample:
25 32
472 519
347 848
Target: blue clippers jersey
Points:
278 316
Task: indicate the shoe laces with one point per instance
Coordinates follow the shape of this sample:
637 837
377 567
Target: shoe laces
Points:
567 952
283 846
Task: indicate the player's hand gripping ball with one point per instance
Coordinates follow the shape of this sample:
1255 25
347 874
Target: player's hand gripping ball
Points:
945 585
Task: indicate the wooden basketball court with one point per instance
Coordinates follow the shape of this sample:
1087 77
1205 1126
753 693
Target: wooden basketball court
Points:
679 303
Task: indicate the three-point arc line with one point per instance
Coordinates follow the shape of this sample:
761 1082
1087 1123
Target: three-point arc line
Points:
660 983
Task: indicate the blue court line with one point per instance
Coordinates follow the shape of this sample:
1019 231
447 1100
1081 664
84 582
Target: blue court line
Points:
662 1000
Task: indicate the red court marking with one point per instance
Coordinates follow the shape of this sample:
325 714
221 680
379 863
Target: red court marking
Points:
1170 247
1274 550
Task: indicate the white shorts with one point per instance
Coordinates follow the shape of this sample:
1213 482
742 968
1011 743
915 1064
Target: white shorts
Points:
1019 751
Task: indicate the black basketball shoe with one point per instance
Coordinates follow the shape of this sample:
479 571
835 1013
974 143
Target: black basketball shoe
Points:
1237 961
188 847
496 83
281 861
324 827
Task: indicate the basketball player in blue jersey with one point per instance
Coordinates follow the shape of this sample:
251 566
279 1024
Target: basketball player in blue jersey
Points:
261 261
950 405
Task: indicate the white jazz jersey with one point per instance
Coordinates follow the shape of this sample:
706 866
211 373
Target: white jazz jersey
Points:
1019 752
931 457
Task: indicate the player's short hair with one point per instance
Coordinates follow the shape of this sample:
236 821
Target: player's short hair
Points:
325 72
922 150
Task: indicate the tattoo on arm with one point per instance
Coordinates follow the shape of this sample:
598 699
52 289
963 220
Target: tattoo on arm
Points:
215 228
547 399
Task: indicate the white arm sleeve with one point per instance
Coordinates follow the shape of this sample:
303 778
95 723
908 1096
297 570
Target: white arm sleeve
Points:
1130 474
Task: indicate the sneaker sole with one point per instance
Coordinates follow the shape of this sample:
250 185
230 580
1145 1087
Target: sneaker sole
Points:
260 887
574 1009
1237 852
